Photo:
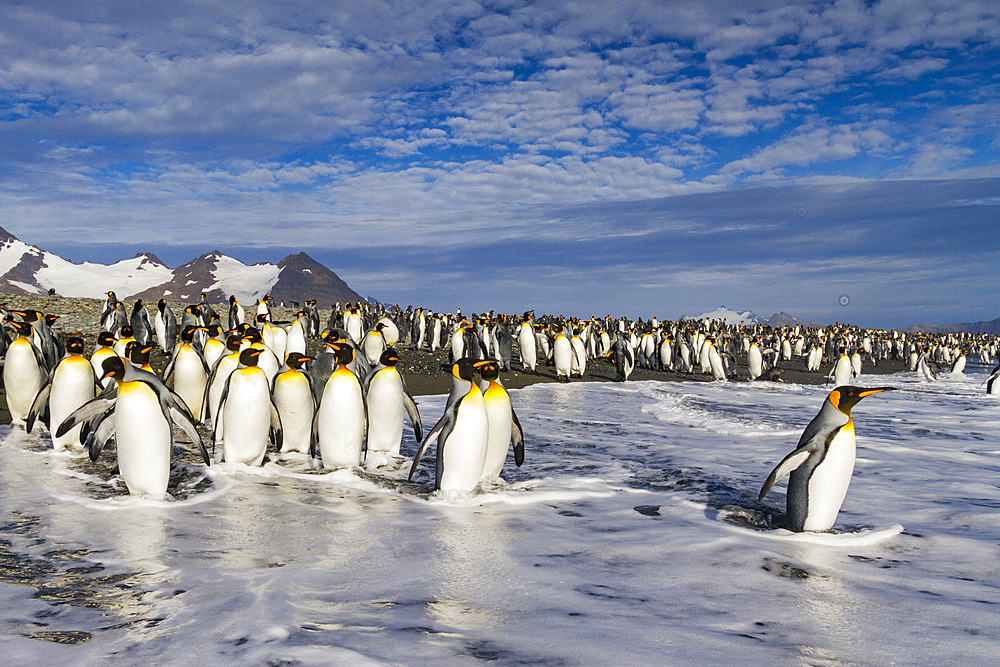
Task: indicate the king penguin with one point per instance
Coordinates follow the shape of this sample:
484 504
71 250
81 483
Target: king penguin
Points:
822 463
340 422
187 372
295 401
24 371
144 410
462 434
71 384
248 415
386 398
504 425
165 326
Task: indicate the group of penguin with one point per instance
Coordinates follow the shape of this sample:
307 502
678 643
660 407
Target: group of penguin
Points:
346 409
348 400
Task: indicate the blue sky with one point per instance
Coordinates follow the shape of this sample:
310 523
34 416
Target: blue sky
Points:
641 158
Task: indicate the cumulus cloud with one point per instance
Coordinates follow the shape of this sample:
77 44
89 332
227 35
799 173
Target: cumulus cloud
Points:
451 123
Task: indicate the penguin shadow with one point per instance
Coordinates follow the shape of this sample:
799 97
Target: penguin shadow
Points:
733 501
729 500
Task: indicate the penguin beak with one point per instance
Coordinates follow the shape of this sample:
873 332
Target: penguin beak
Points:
876 391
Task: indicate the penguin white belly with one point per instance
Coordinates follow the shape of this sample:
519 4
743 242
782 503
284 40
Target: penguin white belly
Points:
499 416
464 452
97 360
354 328
842 372
246 417
829 481
563 356
22 378
457 346
374 346
72 386
385 412
190 379
715 364
295 341
160 329
142 435
294 401
214 350
526 343
268 362
755 362
279 340
390 333
341 421
579 363
222 373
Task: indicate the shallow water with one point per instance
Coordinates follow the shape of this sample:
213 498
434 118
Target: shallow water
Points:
631 534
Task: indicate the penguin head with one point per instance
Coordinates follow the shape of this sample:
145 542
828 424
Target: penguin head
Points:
214 330
389 357
28 315
489 370
187 333
22 328
113 367
465 368
344 352
75 345
161 304
234 343
138 354
847 396
253 336
248 357
105 338
295 360
51 319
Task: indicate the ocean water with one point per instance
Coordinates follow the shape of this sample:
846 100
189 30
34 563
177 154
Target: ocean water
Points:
631 535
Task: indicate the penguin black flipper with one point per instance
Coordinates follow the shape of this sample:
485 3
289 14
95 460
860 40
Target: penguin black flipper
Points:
91 408
180 416
169 370
788 464
277 433
41 400
411 410
447 422
100 435
516 438
222 403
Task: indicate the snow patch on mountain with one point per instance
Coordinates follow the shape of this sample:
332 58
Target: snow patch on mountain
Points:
11 253
730 316
247 282
90 280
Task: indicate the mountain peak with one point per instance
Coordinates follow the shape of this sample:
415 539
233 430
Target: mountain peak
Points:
6 237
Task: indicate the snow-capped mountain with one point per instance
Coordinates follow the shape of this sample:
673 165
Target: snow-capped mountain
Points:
730 316
27 269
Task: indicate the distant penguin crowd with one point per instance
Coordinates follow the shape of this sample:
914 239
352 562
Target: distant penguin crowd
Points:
244 387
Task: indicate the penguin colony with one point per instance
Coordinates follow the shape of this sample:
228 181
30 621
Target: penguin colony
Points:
251 383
